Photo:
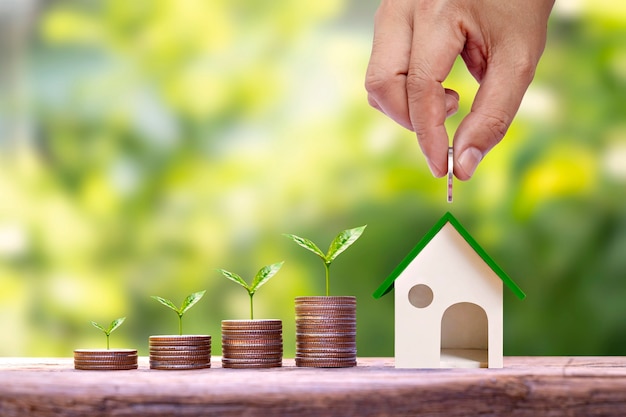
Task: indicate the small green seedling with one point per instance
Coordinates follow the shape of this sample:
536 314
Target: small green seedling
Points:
338 245
187 304
107 332
261 278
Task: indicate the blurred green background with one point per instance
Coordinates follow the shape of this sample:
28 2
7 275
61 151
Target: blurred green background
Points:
144 144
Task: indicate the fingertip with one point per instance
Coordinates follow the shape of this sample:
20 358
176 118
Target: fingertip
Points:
452 105
437 162
452 93
437 172
467 162
373 103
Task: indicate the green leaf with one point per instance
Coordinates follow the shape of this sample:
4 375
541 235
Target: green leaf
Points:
307 244
342 242
115 324
235 278
264 275
166 303
190 301
97 326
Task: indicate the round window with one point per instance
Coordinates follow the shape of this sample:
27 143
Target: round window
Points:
420 296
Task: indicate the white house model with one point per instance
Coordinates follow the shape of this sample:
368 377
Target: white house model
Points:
448 302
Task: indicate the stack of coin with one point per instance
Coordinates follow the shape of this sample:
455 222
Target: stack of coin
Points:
105 360
252 343
326 332
180 352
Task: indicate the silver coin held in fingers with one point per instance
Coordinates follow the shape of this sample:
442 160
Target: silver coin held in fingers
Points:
450 173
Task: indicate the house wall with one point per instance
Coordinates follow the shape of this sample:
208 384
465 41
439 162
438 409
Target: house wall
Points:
455 273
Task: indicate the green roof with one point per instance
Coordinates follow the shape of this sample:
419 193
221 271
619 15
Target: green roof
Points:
387 285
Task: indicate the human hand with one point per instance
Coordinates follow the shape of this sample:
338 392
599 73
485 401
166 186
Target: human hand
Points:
415 45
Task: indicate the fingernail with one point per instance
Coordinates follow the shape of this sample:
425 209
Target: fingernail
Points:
469 160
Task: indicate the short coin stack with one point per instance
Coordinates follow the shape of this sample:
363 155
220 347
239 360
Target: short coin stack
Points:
105 360
252 343
326 332
180 352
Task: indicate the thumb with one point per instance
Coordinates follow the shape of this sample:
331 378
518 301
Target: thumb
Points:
495 105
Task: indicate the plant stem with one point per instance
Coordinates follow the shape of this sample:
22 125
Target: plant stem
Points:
251 308
180 325
327 278
107 341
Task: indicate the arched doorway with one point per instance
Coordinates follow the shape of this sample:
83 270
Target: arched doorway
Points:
464 337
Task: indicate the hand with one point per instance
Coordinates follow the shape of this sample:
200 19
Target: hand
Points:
415 45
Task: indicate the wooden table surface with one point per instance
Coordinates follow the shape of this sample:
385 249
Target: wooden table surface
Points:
526 386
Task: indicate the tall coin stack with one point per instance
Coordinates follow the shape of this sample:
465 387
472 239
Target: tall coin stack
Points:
326 332
180 352
252 343
105 360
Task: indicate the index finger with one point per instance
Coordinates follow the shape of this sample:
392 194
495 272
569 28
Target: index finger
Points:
435 48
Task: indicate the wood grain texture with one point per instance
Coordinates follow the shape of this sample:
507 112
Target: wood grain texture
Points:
526 386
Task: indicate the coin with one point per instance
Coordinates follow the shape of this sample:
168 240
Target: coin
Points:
191 355
180 352
181 345
180 338
237 330
243 334
252 365
450 172
337 320
171 353
323 344
252 324
328 354
326 300
105 352
186 358
174 345
334 336
129 361
333 319
325 328
110 359
326 304
312 345
132 359
164 366
325 363
179 364
252 343
325 331
326 313
255 350
179 342
257 355
105 360
156 364
256 360
105 367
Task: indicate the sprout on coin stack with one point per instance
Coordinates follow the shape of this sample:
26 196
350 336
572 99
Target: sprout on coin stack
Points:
252 343
326 326
109 359
177 352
